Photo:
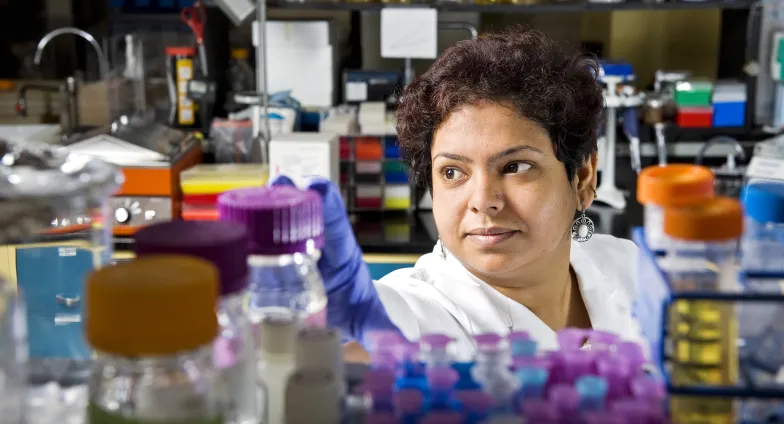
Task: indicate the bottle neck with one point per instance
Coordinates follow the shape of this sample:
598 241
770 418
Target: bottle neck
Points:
284 259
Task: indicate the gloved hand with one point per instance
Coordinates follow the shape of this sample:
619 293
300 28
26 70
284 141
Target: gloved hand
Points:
353 303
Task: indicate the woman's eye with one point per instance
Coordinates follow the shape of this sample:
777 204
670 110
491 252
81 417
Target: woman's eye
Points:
517 167
452 174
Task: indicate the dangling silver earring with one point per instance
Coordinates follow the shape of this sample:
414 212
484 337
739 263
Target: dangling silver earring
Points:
582 228
443 251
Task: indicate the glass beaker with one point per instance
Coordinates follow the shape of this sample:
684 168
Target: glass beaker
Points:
13 355
55 228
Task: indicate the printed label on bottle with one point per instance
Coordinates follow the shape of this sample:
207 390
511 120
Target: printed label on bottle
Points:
96 415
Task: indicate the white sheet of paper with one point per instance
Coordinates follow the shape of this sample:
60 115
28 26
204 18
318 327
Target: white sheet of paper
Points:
409 33
356 91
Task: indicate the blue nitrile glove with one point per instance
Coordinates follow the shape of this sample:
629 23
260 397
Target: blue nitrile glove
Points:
353 304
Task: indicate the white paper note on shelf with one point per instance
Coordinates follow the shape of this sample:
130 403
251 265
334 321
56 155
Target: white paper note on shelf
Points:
356 91
409 33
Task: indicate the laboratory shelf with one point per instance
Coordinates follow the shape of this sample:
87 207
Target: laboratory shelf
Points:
514 8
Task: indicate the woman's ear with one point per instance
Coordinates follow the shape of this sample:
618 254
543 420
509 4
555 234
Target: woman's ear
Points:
586 182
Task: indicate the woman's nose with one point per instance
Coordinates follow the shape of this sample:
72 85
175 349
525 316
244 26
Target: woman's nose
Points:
487 198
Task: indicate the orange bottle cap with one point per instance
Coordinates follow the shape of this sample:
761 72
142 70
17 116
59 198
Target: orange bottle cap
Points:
675 185
717 219
152 306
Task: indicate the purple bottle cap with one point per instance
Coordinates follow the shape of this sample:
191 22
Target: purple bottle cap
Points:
602 417
475 401
378 378
532 362
577 364
383 360
572 338
434 341
602 340
280 220
613 367
383 339
443 417
631 409
380 418
518 335
225 244
411 350
647 387
564 397
539 411
632 352
487 340
409 401
442 378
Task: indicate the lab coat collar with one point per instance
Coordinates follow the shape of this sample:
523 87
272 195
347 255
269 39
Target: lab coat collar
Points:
607 305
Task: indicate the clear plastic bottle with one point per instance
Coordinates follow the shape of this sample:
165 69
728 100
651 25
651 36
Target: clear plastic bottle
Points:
225 245
152 323
286 230
659 187
13 355
277 361
493 373
763 238
702 258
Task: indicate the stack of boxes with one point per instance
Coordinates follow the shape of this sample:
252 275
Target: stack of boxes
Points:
703 104
202 184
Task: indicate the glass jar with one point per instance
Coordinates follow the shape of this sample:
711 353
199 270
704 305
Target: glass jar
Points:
56 227
13 355
286 230
153 323
225 245
703 334
763 238
659 187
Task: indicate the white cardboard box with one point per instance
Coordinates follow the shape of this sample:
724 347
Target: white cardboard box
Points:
299 155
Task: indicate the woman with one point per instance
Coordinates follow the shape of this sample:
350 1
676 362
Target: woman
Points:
502 130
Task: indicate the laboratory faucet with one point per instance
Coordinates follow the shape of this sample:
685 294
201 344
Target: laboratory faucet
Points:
71 106
103 63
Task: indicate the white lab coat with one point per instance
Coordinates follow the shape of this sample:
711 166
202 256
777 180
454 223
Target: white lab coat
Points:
438 295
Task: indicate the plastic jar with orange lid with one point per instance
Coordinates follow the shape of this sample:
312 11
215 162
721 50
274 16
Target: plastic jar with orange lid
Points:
702 334
659 187
152 322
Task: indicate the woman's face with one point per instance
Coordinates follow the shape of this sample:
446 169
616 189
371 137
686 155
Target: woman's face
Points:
501 198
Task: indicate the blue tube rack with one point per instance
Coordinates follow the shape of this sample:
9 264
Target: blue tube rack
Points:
655 297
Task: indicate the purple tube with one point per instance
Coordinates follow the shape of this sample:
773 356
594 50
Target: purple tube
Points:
602 340
443 417
539 411
378 379
572 338
380 417
557 365
434 341
567 402
577 364
409 402
634 410
487 340
441 378
634 353
518 335
602 417
617 371
647 387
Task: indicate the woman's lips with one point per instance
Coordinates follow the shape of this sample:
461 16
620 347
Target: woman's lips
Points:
491 239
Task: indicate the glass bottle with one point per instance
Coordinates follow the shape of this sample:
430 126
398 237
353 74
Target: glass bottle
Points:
225 245
152 322
286 230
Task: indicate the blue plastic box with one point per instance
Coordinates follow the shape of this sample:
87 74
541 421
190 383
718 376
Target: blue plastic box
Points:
729 114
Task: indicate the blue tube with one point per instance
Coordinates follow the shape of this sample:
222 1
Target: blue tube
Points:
465 379
592 391
523 348
532 382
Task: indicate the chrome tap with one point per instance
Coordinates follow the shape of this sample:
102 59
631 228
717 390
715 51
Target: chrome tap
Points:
103 62
71 105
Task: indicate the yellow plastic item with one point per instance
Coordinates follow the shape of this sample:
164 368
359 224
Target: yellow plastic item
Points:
214 179
398 204
239 53
152 306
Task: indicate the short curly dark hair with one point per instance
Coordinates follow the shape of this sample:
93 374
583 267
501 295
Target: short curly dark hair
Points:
519 67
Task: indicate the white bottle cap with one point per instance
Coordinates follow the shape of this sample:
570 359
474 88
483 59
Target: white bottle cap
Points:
313 397
321 348
278 334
